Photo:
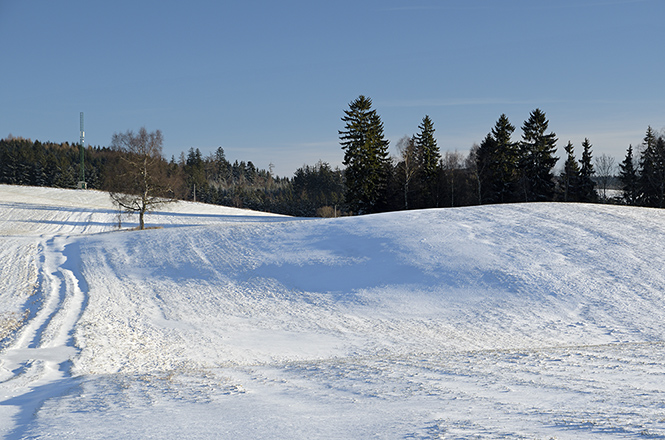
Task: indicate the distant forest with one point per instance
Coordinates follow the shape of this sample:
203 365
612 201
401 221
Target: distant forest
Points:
498 170
316 190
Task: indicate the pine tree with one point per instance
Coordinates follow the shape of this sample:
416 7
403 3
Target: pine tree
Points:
587 185
365 157
628 177
570 177
427 158
536 159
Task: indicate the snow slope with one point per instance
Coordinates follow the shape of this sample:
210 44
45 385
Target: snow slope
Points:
511 321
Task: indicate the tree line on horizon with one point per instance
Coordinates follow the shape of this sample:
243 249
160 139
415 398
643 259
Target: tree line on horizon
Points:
498 170
313 190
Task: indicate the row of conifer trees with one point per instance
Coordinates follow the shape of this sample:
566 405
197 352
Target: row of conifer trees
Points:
498 170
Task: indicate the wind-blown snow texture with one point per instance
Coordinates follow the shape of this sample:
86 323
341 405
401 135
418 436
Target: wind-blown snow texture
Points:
512 321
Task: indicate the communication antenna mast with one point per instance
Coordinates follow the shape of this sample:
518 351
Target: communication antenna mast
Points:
82 184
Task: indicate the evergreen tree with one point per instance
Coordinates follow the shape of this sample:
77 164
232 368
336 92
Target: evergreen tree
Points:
587 185
570 177
660 171
651 181
498 163
536 159
628 177
317 187
485 161
222 168
195 177
427 159
39 166
365 157
506 159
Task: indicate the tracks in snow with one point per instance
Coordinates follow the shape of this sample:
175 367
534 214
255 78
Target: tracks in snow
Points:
35 367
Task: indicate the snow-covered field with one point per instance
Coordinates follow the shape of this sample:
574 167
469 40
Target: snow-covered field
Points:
532 321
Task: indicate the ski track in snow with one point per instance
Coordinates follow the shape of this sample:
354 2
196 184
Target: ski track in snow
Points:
36 364
515 321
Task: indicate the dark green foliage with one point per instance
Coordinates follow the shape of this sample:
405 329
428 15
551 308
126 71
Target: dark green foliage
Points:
421 178
428 154
195 180
488 178
427 157
365 157
536 159
24 162
651 181
496 164
317 187
575 182
570 177
628 177
587 187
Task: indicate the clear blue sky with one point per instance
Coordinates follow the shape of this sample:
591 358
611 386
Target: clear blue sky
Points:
269 81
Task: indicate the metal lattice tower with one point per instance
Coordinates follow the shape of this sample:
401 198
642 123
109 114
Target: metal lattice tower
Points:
82 184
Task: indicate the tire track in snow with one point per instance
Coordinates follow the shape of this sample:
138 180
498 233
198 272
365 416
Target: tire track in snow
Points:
36 367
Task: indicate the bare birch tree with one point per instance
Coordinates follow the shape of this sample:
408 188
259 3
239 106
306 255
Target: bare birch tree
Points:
605 170
451 164
407 151
139 181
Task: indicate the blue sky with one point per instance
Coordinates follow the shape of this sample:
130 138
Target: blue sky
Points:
269 81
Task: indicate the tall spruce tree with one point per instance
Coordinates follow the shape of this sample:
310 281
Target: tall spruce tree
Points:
587 185
486 170
628 177
651 181
506 159
365 157
428 158
536 159
498 163
570 177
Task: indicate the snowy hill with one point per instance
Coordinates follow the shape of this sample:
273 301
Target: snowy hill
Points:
510 321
